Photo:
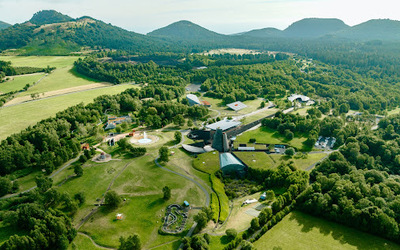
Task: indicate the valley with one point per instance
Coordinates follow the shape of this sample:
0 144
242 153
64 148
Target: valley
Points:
185 138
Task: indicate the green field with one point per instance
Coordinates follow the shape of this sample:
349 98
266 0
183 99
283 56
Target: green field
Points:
269 136
301 231
144 207
82 243
207 162
19 82
40 61
216 104
18 117
261 160
59 79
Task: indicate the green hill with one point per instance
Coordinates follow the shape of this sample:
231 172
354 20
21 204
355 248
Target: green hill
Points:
49 16
314 27
58 34
185 30
4 25
266 32
382 29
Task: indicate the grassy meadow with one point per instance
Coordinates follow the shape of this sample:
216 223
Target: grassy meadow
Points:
18 117
302 231
18 82
269 136
207 162
261 160
40 61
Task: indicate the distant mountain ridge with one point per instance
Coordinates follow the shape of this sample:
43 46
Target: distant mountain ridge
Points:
4 25
314 27
381 29
185 30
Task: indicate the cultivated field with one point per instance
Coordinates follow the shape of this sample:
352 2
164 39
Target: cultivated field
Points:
18 117
40 61
301 231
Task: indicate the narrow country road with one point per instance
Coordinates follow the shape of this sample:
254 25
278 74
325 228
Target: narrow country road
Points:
51 176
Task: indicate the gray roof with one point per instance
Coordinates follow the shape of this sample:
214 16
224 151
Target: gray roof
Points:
237 106
229 161
223 125
193 98
294 97
197 150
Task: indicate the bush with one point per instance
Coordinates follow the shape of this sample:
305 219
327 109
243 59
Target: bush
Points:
252 140
231 233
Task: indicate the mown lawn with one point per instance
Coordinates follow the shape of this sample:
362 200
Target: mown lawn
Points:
82 243
216 104
261 160
207 162
269 136
301 231
18 117
141 184
19 82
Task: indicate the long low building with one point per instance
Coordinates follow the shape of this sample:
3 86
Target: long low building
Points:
296 97
197 150
223 125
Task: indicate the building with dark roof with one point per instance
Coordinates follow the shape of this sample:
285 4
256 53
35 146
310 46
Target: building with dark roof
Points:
230 164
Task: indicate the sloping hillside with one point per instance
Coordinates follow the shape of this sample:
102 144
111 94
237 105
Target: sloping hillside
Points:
314 27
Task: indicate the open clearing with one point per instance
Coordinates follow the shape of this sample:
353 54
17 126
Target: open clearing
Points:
207 162
26 98
144 207
216 104
301 231
269 136
17 83
261 160
40 61
18 117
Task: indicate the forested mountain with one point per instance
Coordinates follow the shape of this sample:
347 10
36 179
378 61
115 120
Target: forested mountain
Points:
266 32
185 30
61 37
314 27
382 29
4 25
49 16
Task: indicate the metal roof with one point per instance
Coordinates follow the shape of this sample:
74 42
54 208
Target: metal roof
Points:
223 125
237 106
227 159
294 97
193 98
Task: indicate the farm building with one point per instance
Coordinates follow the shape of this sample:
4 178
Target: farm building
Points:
236 106
230 164
193 100
223 125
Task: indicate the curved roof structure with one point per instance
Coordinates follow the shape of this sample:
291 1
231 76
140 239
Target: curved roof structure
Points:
229 163
197 150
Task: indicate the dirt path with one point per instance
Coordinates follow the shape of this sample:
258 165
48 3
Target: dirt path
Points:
67 164
93 242
82 88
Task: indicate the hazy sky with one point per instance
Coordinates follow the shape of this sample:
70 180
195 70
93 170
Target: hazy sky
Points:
223 16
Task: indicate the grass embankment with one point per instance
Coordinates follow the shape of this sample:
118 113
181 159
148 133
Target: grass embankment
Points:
261 160
218 188
18 117
270 136
301 231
